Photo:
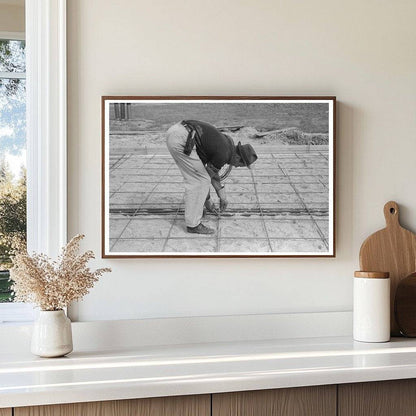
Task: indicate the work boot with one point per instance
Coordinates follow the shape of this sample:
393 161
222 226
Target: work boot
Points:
200 229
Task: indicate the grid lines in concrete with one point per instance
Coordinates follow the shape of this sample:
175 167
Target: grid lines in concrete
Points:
281 205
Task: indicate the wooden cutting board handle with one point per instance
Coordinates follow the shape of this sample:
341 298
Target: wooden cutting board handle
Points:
393 250
391 214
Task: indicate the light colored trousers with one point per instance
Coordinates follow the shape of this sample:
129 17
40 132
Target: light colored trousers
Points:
196 178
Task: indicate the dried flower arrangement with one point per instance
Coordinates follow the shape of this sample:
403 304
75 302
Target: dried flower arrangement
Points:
53 285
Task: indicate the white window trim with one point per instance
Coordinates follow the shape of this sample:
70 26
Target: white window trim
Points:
12 35
46 133
46 125
13 75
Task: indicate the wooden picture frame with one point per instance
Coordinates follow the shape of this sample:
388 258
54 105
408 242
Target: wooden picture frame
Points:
284 206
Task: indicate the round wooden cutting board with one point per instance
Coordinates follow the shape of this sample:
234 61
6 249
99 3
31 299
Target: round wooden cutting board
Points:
393 250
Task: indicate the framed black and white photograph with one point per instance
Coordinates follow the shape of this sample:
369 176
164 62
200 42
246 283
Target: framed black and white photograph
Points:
218 176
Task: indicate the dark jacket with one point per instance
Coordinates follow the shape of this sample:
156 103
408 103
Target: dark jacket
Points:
212 146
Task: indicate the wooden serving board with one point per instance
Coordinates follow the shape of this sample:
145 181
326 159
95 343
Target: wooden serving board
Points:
393 250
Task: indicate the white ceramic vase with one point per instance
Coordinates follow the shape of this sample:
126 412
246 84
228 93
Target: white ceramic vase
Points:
52 334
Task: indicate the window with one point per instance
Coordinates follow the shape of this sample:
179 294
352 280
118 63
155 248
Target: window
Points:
12 153
45 89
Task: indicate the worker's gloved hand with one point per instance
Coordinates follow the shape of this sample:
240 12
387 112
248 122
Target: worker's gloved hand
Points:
210 206
223 205
223 199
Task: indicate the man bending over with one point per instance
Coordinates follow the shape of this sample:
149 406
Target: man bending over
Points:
200 151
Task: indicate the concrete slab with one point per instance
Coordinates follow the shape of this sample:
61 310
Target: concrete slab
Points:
137 187
290 246
170 187
173 178
244 245
128 198
184 245
310 155
279 179
322 164
274 188
324 227
161 209
173 172
236 172
317 206
115 177
278 198
304 179
152 172
148 189
237 227
144 228
277 207
241 198
117 225
267 164
305 171
312 197
138 245
286 217
130 171
310 187
132 164
115 186
240 188
282 155
237 180
291 229
154 165
157 198
296 164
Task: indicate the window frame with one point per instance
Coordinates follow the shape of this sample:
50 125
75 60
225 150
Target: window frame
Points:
46 137
12 35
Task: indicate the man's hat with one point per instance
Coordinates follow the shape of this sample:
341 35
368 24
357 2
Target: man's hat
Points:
247 153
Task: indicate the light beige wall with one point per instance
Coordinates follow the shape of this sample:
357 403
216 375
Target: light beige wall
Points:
12 18
361 51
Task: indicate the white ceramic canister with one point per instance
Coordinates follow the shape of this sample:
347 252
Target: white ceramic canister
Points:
371 313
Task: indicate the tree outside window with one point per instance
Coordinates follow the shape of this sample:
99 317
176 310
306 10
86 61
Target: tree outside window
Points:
12 156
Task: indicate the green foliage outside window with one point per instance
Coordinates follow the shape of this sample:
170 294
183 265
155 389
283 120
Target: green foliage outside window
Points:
12 223
12 145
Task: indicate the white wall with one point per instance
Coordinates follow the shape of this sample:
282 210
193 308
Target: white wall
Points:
361 51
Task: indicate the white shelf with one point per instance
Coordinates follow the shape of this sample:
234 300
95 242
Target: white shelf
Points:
150 371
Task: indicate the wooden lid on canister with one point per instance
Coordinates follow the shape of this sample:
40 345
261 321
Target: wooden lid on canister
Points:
372 275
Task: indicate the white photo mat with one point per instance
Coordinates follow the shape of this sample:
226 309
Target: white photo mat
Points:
282 207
